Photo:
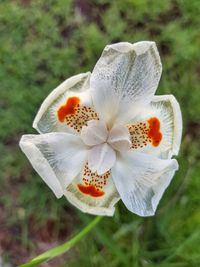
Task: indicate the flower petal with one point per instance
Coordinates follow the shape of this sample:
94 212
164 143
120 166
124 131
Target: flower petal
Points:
125 78
67 108
57 158
101 158
95 133
141 180
164 139
93 193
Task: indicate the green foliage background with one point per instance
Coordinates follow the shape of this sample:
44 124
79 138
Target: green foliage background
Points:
41 44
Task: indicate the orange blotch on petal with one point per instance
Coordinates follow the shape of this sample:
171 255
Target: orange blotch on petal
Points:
154 131
68 108
90 190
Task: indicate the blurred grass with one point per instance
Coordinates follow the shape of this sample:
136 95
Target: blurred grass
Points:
41 44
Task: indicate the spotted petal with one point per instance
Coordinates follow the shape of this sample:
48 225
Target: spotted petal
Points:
125 78
67 108
57 158
93 193
164 139
141 180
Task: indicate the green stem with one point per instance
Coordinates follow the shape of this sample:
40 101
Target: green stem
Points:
54 252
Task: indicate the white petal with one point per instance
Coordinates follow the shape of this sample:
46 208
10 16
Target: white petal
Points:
46 120
101 158
125 78
95 133
57 158
141 180
101 207
119 138
167 110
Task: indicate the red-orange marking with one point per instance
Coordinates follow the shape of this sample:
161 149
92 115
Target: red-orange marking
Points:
154 131
68 108
90 190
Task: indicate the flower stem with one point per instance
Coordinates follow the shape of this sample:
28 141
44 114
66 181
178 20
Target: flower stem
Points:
54 252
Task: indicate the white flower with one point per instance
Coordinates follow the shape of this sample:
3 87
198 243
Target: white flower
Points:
105 136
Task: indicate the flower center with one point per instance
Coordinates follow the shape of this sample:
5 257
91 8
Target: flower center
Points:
104 144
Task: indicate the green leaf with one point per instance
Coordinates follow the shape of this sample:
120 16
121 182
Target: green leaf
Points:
54 252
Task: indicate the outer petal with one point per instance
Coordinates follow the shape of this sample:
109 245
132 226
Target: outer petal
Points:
141 180
166 109
57 158
125 78
46 119
93 193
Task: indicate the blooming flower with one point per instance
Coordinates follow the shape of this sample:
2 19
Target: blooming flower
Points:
105 136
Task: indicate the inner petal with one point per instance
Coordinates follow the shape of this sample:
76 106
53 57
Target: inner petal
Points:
125 74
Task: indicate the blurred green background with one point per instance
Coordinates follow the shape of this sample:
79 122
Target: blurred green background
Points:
41 44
